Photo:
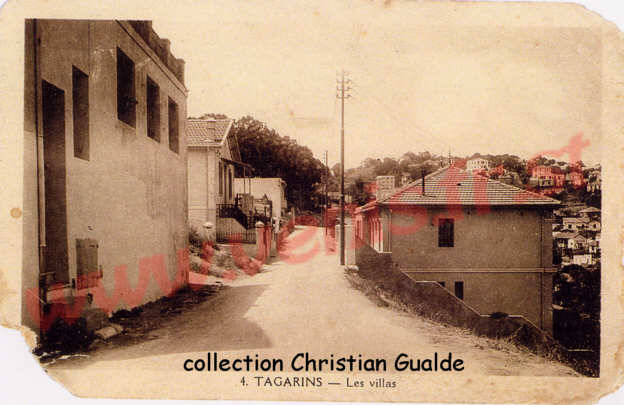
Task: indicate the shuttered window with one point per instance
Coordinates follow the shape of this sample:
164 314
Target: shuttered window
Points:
87 268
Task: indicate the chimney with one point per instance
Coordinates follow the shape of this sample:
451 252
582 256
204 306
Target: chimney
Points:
211 126
423 181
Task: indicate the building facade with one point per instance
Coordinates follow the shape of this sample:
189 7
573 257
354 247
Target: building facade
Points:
477 164
215 207
274 188
488 243
105 162
385 185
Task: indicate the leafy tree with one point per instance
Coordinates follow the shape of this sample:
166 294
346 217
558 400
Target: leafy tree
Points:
273 155
359 192
336 169
578 289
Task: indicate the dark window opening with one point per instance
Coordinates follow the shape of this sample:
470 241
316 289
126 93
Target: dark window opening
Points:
80 111
459 289
446 232
55 174
126 97
173 126
220 178
230 181
153 110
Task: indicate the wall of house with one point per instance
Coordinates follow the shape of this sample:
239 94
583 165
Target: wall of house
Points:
514 293
197 187
500 238
131 194
30 216
498 255
272 187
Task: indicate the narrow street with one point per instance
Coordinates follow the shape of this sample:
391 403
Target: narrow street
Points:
307 306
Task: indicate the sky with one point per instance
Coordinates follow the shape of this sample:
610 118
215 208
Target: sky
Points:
422 79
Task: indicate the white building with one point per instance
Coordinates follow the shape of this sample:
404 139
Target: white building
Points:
273 187
385 186
477 164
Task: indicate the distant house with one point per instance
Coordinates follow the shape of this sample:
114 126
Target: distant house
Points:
274 188
594 180
592 213
477 164
575 223
593 246
570 240
489 243
385 186
593 226
213 157
548 176
583 259
575 179
563 238
577 242
105 147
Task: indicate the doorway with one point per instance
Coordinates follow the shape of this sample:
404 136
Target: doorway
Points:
53 125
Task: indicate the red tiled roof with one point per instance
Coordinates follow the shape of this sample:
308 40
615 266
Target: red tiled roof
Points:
454 186
203 132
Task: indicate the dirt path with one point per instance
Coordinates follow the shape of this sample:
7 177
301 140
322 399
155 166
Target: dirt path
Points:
308 306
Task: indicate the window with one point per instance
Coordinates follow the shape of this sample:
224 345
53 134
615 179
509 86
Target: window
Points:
153 110
220 178
459 289
446 232
126 101
173 126
230 181
80 100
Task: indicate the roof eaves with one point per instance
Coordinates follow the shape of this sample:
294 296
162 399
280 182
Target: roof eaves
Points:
226 133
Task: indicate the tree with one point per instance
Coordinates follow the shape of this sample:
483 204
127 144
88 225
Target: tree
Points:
359 192
336 169
273 155
578 289
387 167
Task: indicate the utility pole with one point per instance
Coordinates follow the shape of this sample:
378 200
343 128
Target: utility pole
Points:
342 93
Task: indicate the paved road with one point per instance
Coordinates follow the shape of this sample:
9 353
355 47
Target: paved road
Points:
307 306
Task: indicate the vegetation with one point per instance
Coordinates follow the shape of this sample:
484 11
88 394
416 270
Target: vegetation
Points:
577 313
274 155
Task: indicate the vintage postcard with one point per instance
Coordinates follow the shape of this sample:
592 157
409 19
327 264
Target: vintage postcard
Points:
386 201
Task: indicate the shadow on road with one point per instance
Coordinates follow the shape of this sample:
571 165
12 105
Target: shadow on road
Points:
218 324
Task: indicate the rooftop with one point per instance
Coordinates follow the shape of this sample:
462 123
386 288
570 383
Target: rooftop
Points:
575 220
565 235
454 186
204 132
160 46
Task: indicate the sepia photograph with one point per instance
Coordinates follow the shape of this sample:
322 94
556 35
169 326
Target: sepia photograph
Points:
316 201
